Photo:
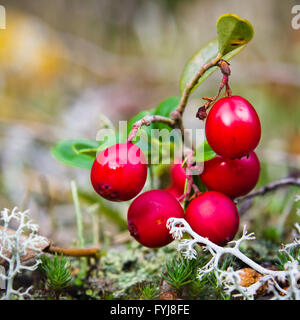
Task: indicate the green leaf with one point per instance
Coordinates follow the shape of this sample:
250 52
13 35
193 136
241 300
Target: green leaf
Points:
77 152
164 109
233 35
83 148
153 143
233 32
204 152
205 54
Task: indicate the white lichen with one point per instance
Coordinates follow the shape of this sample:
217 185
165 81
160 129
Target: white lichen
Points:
230 279
15 246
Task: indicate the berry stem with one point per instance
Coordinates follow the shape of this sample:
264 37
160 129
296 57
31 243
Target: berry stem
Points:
225 69
188 89
224 66
188 164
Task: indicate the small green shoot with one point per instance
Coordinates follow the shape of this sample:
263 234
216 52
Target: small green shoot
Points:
57 270
180 272
149 292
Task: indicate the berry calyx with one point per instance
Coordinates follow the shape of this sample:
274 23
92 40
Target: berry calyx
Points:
232 127
148 215
234 178
119 172
214 216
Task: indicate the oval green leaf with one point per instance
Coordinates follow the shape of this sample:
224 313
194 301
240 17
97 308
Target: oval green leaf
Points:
77 152
233 32
205 54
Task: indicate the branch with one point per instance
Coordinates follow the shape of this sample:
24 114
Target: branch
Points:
177 114
176 121
188 89
73 252
270 187
224 67
147 120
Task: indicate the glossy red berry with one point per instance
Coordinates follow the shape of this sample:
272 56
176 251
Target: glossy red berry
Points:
234 178
232 127
174 191
119 172
178 178
148 215
214 216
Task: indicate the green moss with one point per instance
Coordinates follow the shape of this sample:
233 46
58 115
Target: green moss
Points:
126 269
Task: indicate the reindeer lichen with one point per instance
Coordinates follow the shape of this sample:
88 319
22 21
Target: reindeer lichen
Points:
16 246
230 279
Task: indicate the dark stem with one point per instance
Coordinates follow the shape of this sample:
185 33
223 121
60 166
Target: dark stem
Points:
270 187
224 67
188 89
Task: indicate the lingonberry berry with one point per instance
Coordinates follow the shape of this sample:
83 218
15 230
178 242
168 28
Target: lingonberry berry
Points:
119 172
174 191
148 215
232 177
232 127
178 178
214 216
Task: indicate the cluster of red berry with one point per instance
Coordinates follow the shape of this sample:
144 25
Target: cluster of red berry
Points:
119 174
233 131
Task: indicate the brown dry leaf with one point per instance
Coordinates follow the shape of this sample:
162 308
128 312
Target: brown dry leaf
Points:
30 253
249 277
169 295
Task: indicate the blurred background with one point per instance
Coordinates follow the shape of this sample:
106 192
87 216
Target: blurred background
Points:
64 63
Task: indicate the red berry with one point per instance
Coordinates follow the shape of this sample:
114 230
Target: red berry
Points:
178 178
174 191
232 127
234 178
148 215
214 216
119 172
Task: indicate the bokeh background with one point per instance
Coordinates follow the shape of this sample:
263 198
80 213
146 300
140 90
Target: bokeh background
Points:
64 63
